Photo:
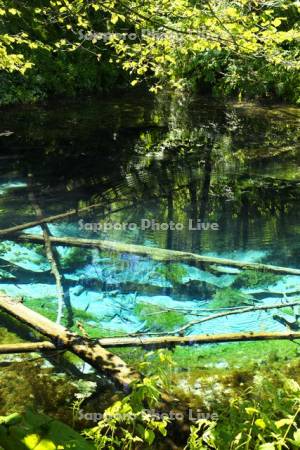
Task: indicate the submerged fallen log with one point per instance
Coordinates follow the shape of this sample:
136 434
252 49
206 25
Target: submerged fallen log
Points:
158 254
90 351
63 294
293 325
156 342
58 359
27 347
12 272
49 219
265 293
169 341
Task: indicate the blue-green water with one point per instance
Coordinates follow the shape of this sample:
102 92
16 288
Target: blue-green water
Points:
236 166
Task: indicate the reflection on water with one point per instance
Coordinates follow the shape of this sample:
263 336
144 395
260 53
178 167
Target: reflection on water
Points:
169 161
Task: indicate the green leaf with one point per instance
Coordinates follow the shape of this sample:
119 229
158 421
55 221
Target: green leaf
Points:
291 385
260 423
251 411
267 446
282 422
14 11
162 428
276 22
149 436
114 18
296 437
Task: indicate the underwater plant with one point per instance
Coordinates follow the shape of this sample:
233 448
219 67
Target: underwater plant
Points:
75 258
172 272
255 279
157 318
4 247
229 297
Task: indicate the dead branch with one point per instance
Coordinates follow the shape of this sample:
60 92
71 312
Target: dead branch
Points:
63 295
90 351
27 347
18 272
264 293
49 219
238 311
169 341
158 254
158 342
291 325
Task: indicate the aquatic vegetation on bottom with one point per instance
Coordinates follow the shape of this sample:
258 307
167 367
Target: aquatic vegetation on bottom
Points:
75 257
229 297
159 319
255 279
289 311
26 384
173 273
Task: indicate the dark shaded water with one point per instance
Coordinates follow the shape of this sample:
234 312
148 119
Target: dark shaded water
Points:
169 160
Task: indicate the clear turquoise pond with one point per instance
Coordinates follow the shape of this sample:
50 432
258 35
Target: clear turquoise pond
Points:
168 161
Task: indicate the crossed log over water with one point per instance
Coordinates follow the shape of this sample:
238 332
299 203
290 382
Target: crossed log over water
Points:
95 352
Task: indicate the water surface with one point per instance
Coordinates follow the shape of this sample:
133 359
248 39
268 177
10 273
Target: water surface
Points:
168 161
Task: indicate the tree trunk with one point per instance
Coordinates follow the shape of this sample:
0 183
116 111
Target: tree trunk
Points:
158 254
63 294
90 351
27 347
169 341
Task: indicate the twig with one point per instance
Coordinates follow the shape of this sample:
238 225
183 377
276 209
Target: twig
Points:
240 311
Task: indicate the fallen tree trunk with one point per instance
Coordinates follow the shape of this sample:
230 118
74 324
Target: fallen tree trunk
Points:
169 341
63 294
90 351
158 254
157 342
93 351
49 219
262 294
17 272
58 359
292 325
27 347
